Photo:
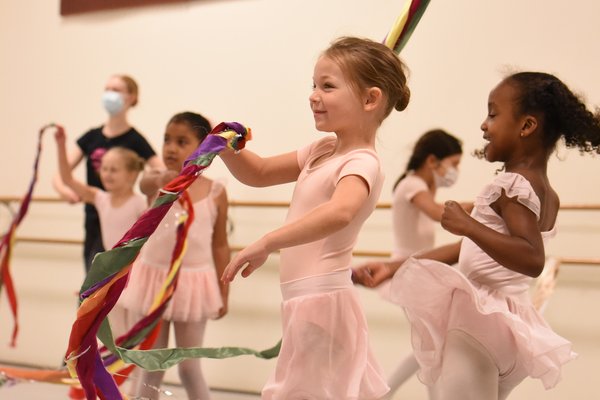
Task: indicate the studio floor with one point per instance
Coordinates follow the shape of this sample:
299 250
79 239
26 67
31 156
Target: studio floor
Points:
30 391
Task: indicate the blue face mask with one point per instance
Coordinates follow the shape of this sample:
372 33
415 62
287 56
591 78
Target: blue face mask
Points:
113 102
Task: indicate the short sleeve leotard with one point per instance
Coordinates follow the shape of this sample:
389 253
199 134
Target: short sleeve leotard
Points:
325 351
413 229
314 187
116 221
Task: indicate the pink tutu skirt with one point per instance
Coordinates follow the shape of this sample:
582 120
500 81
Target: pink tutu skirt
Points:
325 352
196 297
438 298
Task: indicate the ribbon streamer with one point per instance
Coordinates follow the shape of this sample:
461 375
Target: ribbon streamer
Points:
9 238
405 24
144 333
162 359
103 285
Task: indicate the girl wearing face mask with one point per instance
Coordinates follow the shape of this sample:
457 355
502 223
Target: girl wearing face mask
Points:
120 94
433 164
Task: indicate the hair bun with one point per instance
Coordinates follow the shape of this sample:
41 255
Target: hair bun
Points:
404 99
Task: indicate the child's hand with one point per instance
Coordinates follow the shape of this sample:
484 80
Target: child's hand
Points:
454 218
252 257
371 274
165 177
222 311
59 135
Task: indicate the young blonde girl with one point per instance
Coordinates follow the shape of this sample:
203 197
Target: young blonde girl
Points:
476 334
325 351
118 205
199 295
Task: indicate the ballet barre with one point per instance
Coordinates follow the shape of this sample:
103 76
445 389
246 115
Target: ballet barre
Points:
8 200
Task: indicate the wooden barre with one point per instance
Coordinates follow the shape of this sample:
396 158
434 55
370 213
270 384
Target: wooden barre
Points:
278 204
356 253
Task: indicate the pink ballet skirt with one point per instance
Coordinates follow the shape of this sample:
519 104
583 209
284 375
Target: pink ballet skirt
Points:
325 352
434 295
197 296
483 299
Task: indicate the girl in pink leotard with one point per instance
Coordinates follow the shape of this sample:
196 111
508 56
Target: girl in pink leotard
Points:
325 351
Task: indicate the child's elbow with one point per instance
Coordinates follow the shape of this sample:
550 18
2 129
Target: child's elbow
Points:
342 218
536 267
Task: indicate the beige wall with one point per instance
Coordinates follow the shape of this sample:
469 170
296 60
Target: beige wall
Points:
251 61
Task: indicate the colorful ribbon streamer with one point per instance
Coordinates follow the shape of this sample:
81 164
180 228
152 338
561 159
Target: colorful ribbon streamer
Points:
9 238
162 359
405 24
103 285
143 334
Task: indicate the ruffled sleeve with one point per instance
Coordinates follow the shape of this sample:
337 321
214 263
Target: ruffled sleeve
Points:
514 185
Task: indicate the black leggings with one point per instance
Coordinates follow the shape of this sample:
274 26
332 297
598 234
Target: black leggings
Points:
92 243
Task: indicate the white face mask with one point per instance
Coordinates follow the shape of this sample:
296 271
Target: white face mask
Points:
446 180
113 102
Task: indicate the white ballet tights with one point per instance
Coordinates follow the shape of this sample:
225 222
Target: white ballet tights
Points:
468 371
407 368
187 334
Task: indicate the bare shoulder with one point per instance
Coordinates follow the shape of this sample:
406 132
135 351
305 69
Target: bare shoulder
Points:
549 198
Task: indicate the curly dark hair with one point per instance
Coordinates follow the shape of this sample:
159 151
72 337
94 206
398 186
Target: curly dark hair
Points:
563 113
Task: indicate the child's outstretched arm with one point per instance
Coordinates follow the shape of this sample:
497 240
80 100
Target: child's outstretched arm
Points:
373 274
253 170
65 192
84 192
155 179
150 181
349 195
220 247
521 250
425 202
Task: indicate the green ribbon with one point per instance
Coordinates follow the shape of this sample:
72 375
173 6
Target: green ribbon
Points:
162 359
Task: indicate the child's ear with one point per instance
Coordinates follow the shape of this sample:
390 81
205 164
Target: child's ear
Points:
432 161
530 124
373 97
